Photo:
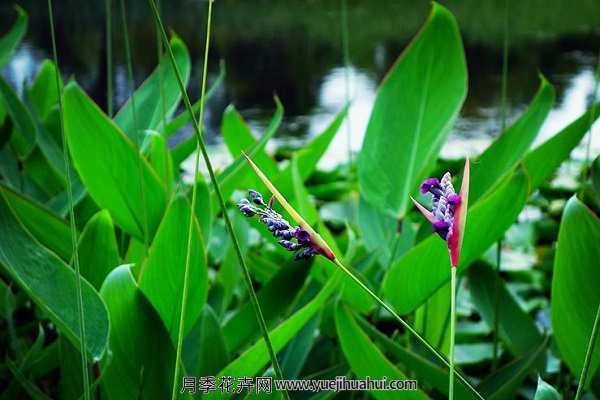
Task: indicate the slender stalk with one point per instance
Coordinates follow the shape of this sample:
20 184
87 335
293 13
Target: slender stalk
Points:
588 355
159 51
496 305
198 132
80 312
136 133
406 325
346 48
109 60
503 98
452 331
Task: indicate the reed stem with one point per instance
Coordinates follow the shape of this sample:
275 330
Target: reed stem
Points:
198 133
452 331
109 59
72 226
588 355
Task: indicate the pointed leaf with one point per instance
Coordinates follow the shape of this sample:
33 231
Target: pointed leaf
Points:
10 41
415 107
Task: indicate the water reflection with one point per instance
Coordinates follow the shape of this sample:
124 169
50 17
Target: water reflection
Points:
293 49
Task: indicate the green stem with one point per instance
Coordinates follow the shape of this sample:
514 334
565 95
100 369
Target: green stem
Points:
452 331
346 48
198 133
406 325
496 305
136 133
80 311
109 60
588 355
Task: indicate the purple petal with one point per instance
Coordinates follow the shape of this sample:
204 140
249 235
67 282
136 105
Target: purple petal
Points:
428 184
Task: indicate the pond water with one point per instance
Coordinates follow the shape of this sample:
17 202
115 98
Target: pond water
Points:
295 49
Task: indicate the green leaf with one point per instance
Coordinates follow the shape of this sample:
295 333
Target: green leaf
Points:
432 319
504 383
161 160
23 138
415 107
297 351
161 277
147 98
183 118
98 249
575 295
111 167
505 152
516 329
142 355
238 137
274 299
205 352
51 284
545 391
541 162
253 360
234 176
45 226
10 41
365 358
43 93
412 279
424 368
309 155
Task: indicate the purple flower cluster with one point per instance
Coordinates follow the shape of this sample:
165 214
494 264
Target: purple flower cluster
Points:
444 203
291 238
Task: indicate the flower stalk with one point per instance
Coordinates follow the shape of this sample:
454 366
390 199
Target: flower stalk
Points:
588 355
448 218
326 251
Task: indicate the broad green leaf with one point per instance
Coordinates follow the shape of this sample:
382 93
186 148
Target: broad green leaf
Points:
516 329
98 249
148 100
253 360
274 299
510 147
309 155
183 118
51 284
45 226
161 160
71 380
545 391
415 107
116 176
365 358
423 367
23 138
238 137
300 199
504 383
541 162
204 349
43 93
234 176
575 295
432 319
141 365
161 278
10 41
297 351
426 267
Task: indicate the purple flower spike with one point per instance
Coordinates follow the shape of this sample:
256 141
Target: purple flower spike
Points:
302 236
428 184
448 212
246 208
293 239
256 197
454 199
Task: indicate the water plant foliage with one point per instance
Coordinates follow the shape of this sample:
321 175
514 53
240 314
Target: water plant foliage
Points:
338 274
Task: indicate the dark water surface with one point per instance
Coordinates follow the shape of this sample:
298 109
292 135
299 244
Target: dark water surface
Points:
294 49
